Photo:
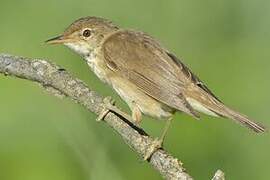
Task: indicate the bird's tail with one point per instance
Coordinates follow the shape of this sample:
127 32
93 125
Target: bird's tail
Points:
210 105
242 119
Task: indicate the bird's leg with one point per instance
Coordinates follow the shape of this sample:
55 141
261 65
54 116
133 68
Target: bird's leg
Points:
109 106
165 130
158 142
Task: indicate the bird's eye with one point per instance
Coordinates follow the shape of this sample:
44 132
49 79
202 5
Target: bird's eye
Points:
86 33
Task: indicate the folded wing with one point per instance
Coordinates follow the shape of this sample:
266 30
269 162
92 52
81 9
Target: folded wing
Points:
140 59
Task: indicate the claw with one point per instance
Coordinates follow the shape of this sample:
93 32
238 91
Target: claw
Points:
156 144
108 104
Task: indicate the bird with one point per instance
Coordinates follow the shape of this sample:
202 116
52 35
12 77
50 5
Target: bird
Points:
147 76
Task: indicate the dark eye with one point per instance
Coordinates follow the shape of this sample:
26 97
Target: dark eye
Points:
86 33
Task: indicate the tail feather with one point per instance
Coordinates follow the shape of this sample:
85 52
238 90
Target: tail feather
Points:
206 103
242 119
212 107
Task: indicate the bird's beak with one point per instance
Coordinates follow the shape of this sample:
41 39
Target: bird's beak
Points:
57 40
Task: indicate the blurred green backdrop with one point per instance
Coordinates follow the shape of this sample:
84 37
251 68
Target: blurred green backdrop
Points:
226 42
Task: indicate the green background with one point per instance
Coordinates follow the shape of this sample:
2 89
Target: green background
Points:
226 42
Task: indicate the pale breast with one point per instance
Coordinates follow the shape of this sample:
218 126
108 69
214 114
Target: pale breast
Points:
97 66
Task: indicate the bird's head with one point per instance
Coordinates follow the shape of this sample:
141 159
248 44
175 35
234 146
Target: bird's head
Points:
85 34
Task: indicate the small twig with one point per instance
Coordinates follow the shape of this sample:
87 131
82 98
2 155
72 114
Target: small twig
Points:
59 82
219 175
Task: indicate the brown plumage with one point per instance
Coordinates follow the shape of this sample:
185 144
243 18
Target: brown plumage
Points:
164 77
147 76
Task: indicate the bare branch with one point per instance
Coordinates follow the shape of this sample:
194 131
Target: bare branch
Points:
59 82
219 175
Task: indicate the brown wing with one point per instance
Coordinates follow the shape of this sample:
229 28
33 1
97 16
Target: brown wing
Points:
144 62
194 79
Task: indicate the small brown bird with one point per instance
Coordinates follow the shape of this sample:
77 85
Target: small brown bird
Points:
149 78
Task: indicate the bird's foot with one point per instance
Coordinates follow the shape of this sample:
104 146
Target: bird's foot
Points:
154 146
109 106
157 143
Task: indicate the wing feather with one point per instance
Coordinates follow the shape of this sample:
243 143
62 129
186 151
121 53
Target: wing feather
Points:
140 59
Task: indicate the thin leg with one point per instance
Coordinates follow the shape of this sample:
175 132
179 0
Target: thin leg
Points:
109 106
165 130
157 143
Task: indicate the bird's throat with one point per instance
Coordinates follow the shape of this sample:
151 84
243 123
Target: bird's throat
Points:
79 48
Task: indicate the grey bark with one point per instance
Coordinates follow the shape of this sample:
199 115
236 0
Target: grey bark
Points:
60 82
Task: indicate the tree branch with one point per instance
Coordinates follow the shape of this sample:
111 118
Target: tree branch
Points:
59 82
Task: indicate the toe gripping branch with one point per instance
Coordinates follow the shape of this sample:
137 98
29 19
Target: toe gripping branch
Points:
108 103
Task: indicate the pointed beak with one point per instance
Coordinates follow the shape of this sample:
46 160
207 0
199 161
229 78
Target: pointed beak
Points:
57 40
